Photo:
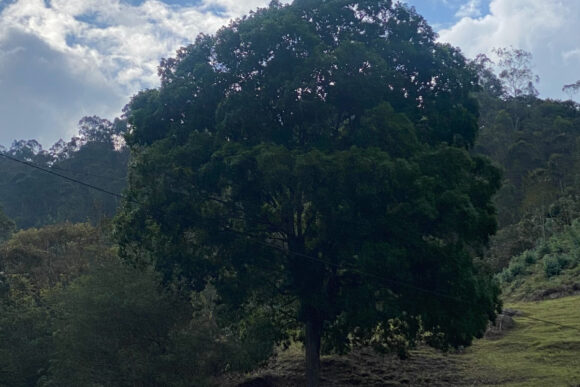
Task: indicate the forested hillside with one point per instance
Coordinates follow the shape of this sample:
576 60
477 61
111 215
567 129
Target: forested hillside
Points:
32 194
536 143
314 180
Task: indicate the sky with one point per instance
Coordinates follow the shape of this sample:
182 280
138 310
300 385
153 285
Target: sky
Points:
61 60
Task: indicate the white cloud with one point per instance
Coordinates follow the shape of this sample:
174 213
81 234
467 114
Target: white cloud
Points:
95 45
469 9
44 93
548 29
571 56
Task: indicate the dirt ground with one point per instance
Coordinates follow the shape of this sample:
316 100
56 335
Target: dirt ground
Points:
364 367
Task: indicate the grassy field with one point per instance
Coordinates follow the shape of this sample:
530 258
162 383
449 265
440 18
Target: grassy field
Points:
533 353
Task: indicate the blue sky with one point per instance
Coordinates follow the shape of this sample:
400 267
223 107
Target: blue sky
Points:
444 13
63 59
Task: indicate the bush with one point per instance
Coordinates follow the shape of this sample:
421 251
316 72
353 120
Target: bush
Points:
505 276
564 260
544 250
117 326
517 267
552 266
529 257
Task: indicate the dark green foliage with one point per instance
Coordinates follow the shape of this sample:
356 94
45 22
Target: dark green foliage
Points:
6 226
32 262
33 198
540 191
517 268
113 328
549 270
71 314
312 159
54 254
25 333
536 143
552 265
117 326
529 257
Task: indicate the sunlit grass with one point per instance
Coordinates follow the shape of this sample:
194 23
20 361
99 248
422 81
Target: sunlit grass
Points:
534 353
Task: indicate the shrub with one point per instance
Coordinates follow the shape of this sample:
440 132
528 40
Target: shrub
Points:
517 267
529 257
505 276
552 266
543 250
564 260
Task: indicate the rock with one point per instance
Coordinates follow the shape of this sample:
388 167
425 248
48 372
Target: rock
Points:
503 322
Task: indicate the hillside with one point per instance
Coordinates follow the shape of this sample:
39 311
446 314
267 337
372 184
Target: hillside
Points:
33 196
322 194
541 349
550 270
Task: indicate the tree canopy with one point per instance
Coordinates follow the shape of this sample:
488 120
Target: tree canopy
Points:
34 198
312 161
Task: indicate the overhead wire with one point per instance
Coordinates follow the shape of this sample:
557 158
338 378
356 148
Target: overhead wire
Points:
46 170
549 322
285 251
87 174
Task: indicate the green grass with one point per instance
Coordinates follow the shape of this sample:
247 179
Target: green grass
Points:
533 353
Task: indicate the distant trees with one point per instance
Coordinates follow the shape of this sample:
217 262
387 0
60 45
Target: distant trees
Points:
6 226
572 88
309 162
536 142
515 72
32 264
96 156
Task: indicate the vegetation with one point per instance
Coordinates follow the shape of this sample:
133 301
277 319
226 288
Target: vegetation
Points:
550 270
72 314
315 174
536 144
34 198
292 154
534 352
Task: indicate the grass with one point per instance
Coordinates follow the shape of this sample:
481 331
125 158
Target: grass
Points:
534 353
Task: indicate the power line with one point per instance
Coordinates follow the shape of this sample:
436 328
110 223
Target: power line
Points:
549 322
289 252
87 174
31 165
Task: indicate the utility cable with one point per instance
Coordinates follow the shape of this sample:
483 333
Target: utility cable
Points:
297 254
31 165
549 322
289 252
87 174
304 256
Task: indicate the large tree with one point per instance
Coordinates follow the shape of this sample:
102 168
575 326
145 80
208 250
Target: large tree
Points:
312 160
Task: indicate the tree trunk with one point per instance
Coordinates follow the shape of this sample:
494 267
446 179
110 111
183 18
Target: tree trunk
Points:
312 344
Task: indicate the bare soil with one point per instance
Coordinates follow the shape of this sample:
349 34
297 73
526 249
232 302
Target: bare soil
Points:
362 367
